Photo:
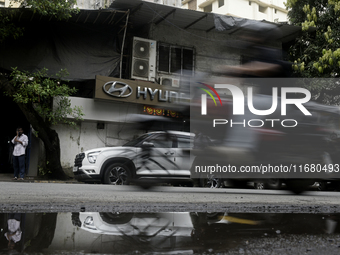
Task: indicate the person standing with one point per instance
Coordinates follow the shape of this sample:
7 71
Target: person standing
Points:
20 142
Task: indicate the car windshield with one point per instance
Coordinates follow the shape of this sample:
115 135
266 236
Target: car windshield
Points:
137 140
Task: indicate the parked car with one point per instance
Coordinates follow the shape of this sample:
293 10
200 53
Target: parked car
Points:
157 155
136 224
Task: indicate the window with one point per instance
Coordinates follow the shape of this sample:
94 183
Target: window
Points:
262 9
162 141
175 59
220 3
208 8
137 140
184 142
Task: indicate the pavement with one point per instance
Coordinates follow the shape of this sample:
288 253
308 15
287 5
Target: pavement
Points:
8 177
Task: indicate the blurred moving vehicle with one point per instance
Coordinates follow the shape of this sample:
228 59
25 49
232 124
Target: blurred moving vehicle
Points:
163 156
308 144
253 125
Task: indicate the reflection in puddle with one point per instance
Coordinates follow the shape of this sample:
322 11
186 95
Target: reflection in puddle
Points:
112 233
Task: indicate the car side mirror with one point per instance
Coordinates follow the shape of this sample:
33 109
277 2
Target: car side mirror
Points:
147 144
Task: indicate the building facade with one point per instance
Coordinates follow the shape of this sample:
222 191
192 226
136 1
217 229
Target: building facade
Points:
159 48
174 3
269 10
9 3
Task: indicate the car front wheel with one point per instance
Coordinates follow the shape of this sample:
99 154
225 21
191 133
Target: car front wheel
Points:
116 174
211 182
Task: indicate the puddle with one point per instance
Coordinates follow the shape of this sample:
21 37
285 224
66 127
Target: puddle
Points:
175 233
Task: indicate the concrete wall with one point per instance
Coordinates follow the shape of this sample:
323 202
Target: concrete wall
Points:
35 153
87 136
117 130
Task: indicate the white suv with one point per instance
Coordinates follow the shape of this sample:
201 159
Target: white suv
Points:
157 155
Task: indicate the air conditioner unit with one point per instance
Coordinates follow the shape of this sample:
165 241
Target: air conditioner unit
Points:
143 59
169 81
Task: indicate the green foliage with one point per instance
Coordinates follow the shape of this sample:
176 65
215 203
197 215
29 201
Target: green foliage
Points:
336 4
43 170
35 93
48 96
59 9
316 53
7 28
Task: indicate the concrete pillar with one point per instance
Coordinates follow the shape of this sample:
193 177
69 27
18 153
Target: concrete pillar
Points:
34 156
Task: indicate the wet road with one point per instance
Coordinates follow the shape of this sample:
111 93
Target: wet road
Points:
171 233
58 218
60 197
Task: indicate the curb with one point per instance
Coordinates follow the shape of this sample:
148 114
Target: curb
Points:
30 179
51 181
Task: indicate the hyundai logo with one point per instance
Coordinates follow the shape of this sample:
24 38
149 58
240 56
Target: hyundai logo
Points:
122 88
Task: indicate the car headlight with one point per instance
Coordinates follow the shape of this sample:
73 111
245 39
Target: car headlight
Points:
88 223
92 157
